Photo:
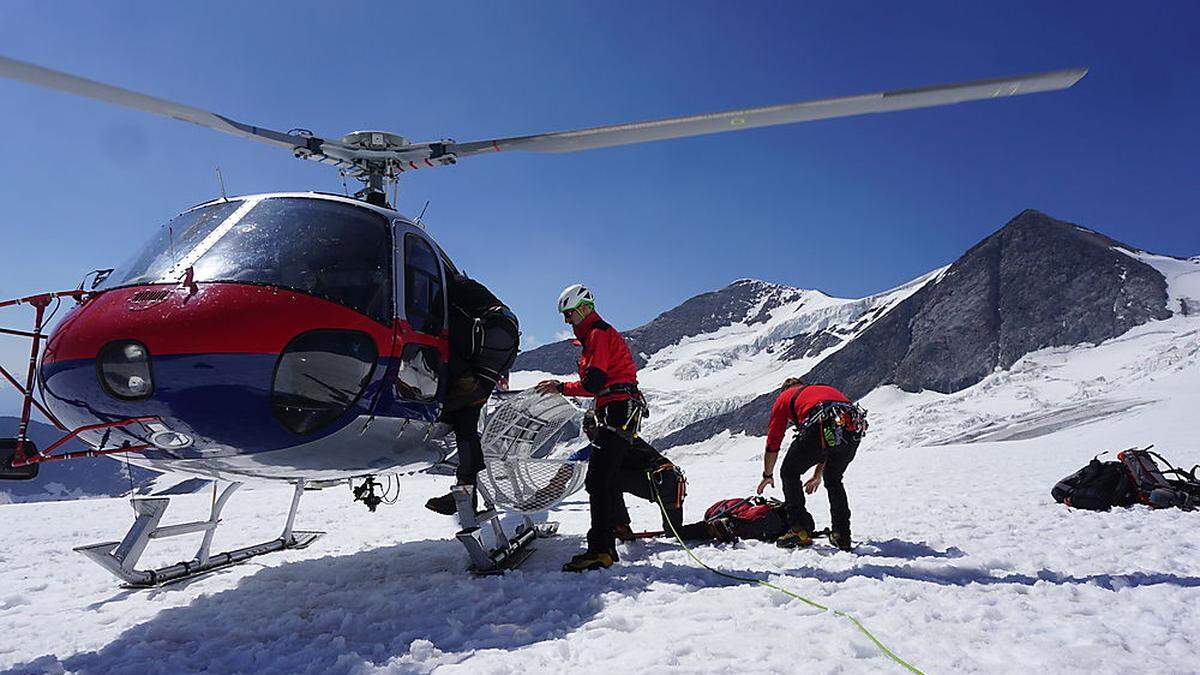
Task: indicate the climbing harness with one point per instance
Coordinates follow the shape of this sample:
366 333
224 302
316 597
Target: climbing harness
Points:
837 423
857 624
638 410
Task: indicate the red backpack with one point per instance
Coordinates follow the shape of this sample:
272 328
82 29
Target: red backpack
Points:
749 518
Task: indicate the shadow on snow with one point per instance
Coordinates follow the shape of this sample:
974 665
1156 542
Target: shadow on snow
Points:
337 613
964 576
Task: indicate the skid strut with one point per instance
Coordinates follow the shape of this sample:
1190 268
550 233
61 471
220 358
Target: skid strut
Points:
120 558
508 551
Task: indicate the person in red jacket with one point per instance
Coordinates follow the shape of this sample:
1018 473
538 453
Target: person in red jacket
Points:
607 373
828 430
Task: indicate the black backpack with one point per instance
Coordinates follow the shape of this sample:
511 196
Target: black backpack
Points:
484 335
1098 486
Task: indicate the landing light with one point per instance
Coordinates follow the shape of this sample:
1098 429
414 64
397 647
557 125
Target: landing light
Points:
124 370
164 438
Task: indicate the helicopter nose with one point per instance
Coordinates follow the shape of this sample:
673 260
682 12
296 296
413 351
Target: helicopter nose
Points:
204 359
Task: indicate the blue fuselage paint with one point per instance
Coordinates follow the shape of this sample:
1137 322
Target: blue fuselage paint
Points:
221 401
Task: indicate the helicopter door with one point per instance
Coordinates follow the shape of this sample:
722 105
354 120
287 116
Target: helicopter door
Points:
421 339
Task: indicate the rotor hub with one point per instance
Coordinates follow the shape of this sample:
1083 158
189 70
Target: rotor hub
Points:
375 140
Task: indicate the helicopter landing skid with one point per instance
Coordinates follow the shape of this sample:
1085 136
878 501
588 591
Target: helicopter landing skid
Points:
120 558
509 551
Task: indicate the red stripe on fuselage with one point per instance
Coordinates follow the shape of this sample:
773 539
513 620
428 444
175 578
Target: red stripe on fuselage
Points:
216 318
406 334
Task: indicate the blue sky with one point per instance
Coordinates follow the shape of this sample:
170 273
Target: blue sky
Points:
850 206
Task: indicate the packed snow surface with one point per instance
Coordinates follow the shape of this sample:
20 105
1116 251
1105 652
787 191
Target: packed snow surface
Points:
965 563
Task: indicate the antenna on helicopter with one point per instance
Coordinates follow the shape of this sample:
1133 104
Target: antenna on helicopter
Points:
423 210
221 182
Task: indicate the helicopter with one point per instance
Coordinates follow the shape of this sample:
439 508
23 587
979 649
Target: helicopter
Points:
296 337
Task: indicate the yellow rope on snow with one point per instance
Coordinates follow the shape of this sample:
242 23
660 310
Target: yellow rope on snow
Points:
762 582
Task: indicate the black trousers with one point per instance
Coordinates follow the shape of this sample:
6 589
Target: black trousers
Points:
464 404
666 483
804 453
608 452
465 422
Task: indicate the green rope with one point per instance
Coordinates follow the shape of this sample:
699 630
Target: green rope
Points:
772 586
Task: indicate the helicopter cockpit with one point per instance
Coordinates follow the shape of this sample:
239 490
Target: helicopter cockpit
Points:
257 323
331 250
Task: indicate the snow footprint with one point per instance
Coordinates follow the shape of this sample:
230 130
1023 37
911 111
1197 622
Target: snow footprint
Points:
11 601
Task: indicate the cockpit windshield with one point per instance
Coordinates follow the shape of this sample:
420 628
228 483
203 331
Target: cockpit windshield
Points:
173 241
328 249
332 250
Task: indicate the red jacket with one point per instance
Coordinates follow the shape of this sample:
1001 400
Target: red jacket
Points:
605 362
793 405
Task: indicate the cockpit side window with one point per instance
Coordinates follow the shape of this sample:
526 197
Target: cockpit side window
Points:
331 250
424 298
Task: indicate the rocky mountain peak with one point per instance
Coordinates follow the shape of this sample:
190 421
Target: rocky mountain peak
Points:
1036 282
748 301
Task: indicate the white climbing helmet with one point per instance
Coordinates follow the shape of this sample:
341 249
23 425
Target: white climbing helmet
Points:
573 296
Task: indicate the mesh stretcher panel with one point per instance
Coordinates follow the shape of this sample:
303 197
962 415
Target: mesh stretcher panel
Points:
525 444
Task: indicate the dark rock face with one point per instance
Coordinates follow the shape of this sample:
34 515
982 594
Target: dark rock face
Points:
558 358
1038 282
809 344
704 313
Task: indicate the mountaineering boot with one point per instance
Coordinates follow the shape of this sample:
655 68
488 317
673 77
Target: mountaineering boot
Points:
841 540
589 561
444 505
623 532
447 505
795 538
722 530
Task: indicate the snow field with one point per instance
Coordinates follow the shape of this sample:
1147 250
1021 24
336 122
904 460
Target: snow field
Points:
965 565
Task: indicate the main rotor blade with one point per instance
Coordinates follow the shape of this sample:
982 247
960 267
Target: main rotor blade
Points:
807 111
53 79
